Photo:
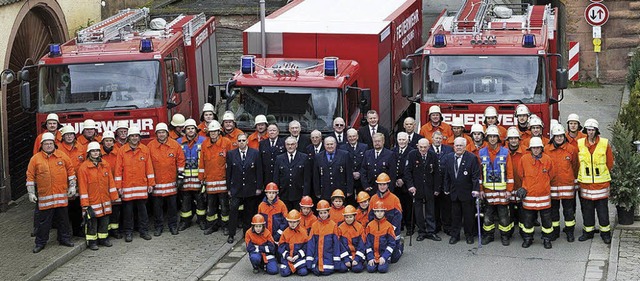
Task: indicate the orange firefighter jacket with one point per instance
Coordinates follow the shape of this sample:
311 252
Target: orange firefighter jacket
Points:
50 175
335 214
233 137
212 165
254 139
566 165
428 129
307 221
167 160
134 172
76 152
536 177
96 187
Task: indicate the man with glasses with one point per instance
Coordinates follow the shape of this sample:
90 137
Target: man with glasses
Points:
338 130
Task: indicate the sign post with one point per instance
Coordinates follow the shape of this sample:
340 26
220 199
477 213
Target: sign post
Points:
596 14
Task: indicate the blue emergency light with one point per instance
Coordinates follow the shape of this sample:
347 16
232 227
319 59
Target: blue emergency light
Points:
54 50
528 40
247 64
439 41
146 46
330 66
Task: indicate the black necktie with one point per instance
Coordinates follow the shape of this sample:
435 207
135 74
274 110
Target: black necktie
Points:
377 154
290 157
243 156
330 157
437 150
401 151
340 138
273 143
457 164
410 138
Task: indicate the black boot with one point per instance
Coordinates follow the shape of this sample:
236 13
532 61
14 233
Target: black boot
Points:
547 243
212 227
585 236
104 242
569 231
505 238
606 237
115 233
184 224
202 222
527 242
92 244
555 234
487 238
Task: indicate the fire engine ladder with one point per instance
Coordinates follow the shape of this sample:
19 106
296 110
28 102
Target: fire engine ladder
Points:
111 27
190 28
470 17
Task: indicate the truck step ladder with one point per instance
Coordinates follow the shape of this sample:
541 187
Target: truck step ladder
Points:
470 17
111 27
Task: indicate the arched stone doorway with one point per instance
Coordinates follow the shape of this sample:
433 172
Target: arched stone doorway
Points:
38 24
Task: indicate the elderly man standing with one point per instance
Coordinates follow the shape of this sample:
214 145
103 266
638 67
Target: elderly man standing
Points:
338 130
422 175
292 173
332 170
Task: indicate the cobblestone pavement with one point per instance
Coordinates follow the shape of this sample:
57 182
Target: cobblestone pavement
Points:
227 262
17 262
629 255
167 257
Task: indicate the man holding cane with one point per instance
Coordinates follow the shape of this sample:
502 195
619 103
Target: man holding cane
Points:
421 173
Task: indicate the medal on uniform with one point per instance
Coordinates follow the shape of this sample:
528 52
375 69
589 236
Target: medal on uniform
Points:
465 173
321 172
341 169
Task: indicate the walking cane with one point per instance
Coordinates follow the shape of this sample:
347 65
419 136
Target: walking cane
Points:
413 207
478 215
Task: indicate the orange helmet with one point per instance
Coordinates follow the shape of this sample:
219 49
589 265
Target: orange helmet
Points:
258 219
272 186
306 201
293 215
379 206
323 205
349 210
383 178
362 196
337 193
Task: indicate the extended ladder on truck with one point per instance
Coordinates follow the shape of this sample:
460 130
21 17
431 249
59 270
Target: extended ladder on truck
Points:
111 27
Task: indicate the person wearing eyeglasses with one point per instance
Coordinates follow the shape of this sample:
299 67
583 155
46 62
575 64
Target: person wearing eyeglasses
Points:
338 131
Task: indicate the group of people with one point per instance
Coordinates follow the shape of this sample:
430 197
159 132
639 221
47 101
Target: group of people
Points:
428 182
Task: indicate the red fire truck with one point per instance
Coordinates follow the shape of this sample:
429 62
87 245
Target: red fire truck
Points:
127 68
489 54
326 59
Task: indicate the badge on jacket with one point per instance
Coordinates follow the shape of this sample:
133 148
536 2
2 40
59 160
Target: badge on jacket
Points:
171 155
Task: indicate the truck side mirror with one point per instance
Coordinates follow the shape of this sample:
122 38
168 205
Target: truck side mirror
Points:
407 77
179 82
211 94
365 99
25 95
562 79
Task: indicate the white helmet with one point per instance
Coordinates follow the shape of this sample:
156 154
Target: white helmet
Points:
133 131
492 130
591 123
573 117
48 136
177 120
162 126
214 126
490 111
457 122
93 146
535 142
557 130
228 116
108 135
513 132
53 116
122 124
67 130
190 122
535 121
208 107
522 110
260 119
89 124
477 128
434 109
553 122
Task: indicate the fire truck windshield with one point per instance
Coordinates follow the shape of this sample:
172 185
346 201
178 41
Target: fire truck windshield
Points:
485 79
99 86
314 108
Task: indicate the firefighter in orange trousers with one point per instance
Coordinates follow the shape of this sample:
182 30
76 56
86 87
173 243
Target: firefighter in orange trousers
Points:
323 248
273 210
352 241
565 161
191 190
212 173
292 247
168 162
261 246
89 132
596 162
76 152
337 206
393 212
52 125
307 217
176 126
497 184
362 212
97 190
380 242
53 174
516 151
109 155
134 179
537 171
